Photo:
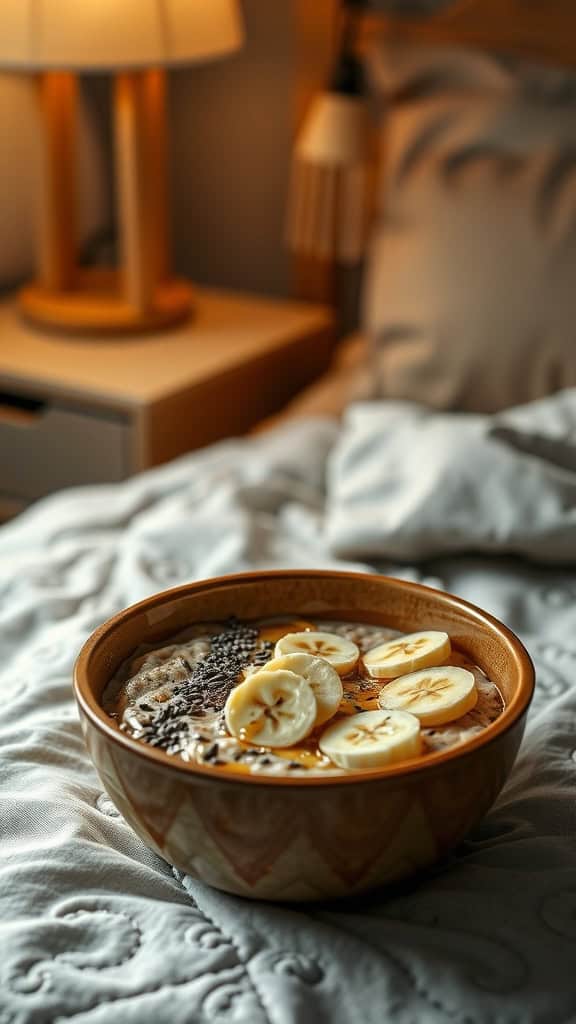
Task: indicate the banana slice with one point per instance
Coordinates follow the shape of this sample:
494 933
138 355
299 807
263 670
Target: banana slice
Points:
406 654
323 680
337 650
272 709
372 739
434 695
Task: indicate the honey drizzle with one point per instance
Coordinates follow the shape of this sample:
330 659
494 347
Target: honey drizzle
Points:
361 693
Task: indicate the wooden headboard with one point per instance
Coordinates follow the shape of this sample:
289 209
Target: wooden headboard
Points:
539 30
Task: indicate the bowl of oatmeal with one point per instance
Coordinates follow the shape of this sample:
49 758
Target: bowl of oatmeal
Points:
300 735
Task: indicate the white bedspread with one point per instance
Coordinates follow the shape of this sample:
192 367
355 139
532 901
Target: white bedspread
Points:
95 928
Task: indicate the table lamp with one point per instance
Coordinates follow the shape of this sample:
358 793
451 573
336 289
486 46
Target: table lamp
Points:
135 40
328 210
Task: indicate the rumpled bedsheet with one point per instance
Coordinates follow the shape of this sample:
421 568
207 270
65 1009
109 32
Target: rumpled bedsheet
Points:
96 929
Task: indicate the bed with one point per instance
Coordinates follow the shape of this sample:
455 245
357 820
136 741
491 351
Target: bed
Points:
96 928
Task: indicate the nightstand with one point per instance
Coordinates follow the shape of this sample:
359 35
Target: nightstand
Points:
83 410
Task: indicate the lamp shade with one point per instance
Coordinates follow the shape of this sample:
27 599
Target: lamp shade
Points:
328 201
99 35
335 131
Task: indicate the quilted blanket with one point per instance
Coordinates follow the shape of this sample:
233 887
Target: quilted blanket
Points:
96 929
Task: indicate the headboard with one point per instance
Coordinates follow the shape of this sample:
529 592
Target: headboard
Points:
540 30
543 31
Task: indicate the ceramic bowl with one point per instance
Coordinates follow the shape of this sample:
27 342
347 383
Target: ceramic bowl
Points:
298 839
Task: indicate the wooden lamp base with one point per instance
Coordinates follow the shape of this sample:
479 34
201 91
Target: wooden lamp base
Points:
141 295
97 306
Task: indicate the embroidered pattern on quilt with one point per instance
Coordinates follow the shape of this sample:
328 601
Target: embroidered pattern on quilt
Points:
97 929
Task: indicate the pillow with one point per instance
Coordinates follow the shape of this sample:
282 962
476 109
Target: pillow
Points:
19 134
470 294
407 482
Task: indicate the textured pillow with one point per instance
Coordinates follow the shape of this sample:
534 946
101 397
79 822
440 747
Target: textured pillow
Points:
470 297
19 134
408 482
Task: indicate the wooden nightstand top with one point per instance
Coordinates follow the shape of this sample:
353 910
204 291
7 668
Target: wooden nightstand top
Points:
227 330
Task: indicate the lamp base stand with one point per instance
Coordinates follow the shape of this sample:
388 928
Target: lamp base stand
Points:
96 306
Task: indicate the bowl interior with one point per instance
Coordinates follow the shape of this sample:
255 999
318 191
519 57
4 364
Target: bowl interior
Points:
376 599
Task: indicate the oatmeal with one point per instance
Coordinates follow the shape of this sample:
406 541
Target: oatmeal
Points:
300 697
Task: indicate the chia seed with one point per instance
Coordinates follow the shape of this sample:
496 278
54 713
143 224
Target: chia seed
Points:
206 687
173 699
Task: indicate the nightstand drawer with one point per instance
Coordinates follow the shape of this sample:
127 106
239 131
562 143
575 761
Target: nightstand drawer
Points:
45 446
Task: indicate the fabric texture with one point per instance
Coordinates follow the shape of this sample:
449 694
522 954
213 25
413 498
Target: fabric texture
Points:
408 482
96 929
469 300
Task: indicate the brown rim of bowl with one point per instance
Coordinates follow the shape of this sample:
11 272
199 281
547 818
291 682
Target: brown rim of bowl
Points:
512 711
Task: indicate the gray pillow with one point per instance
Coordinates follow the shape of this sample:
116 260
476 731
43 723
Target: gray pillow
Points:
470 295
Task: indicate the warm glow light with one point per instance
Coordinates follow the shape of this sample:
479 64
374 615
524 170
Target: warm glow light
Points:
328 203
102 35
335 131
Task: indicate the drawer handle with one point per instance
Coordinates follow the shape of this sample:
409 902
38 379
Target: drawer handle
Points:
20 411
